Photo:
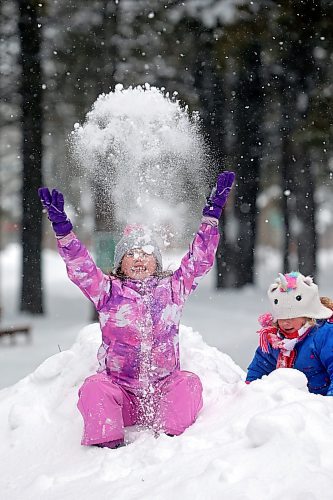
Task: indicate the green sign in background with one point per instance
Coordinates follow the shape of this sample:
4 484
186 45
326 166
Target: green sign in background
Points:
104 246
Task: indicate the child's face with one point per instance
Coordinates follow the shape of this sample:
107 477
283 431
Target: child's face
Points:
138 265
291 325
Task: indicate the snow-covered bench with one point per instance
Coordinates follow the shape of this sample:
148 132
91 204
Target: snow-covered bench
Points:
13 330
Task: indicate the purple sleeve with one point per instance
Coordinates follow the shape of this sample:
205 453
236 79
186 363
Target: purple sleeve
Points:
198 260
82 270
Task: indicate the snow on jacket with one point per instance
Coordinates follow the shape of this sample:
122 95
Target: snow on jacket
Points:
139 319
314 357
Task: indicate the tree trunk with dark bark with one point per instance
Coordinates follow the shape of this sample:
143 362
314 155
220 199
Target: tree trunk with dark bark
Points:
299 79
105 223
209 86
248 150
31 121
305 212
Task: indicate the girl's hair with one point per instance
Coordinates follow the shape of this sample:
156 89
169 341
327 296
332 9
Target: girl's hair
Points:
327 302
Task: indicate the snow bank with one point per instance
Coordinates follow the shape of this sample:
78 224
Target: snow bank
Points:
268 440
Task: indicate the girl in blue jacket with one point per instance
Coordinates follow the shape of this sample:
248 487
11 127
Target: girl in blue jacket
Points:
298 333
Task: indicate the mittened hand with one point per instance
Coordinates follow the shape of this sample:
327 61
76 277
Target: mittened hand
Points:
54 205
219 195
224 184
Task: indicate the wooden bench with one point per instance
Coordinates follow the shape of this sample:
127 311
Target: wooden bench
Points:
13 330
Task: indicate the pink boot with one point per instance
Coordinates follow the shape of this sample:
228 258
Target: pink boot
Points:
117 443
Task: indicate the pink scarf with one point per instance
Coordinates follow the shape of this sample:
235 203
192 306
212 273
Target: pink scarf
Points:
270 334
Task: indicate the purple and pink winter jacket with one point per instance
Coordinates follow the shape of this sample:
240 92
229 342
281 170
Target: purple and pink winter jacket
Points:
140 319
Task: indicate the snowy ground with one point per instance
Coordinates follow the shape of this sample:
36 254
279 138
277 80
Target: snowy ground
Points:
268 441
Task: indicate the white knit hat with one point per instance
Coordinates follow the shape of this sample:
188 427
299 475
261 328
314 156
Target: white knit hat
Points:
294 296
137 236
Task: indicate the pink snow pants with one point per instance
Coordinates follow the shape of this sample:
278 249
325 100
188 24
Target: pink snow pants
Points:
107 408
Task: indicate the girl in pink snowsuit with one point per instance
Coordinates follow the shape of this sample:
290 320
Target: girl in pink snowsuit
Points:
139 380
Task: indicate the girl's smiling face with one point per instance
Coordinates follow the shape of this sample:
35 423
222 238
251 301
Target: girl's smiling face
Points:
138 265
291 325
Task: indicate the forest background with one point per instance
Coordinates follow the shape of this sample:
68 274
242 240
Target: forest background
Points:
259 74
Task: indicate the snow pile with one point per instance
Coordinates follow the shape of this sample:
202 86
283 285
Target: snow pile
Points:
269 440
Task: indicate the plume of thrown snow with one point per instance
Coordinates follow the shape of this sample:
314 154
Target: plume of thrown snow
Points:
147 152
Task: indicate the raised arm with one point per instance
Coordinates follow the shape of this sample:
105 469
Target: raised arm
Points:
200 257
81 268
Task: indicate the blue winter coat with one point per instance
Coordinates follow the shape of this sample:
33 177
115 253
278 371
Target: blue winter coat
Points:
314 357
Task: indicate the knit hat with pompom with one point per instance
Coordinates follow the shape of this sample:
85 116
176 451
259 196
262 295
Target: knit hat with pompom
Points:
137 236
293 295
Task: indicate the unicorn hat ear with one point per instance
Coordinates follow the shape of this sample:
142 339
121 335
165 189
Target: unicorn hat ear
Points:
283 282
308 280
273 286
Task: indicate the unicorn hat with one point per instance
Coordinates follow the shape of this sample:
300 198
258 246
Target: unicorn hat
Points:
293 295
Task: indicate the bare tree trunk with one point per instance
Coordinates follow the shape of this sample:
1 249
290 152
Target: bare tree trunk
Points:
31 105
248 119
209 86
305 212
226 271
298 207
300 77
286 180
104 210
105 223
